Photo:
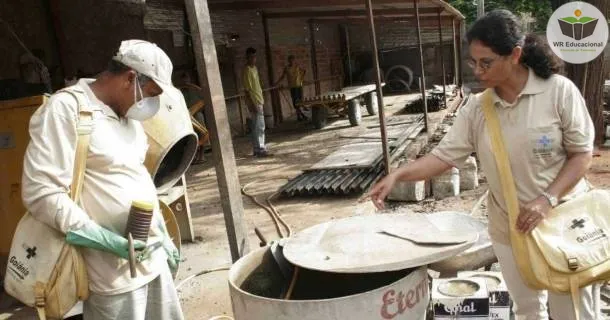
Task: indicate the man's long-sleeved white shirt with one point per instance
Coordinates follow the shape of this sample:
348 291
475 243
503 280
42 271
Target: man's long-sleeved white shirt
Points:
115 176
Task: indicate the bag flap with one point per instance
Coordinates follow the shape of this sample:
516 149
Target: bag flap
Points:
576 235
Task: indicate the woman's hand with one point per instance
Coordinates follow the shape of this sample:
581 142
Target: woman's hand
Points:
381 190
532 214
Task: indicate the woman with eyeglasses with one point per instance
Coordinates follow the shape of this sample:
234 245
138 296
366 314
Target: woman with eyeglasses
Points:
548 135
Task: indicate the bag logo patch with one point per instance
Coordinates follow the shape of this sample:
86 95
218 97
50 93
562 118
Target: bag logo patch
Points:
585 231
577 223
18 268
31 252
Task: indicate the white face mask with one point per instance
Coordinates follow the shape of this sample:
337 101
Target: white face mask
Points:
144 109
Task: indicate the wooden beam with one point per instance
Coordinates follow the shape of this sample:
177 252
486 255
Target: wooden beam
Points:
348 13
276 105
426 22
283 4
218 121
440 38
381 108
314 57
421 62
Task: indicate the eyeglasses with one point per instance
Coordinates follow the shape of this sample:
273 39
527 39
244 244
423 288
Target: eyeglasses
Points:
484 63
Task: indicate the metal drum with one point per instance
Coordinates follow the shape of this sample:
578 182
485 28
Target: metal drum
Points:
172 141
256 283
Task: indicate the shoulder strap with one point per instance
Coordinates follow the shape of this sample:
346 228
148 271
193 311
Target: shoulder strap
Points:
84 126
501 156
509 189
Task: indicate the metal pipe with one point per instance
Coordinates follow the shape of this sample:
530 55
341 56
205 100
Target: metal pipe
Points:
305 83
421 61
314 56
240 103
440 37
276 105
460 54
455 54
349 53
382 127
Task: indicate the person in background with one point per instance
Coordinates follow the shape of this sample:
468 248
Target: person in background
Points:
34 72
548 135
295 75
123 96
254 102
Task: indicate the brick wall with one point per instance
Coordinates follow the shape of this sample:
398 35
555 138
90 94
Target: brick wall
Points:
287 36
92 32
292 37
394 35
32 27
248 26
397 44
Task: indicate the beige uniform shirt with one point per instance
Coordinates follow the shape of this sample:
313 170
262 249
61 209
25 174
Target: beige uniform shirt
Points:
114 176
548 121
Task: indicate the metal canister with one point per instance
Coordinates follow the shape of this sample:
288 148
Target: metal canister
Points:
139 220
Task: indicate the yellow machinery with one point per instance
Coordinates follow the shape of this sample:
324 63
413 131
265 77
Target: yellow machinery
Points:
14 137
172 141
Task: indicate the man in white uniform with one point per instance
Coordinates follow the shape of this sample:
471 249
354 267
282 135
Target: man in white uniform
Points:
121 97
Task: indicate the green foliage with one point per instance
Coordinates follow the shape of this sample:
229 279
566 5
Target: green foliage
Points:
538 9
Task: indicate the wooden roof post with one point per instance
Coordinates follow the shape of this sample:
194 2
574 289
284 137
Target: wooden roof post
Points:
216 114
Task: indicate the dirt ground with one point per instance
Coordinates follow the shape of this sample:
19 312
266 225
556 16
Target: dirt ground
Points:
296 146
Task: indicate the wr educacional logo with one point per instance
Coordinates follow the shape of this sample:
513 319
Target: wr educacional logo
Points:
577 32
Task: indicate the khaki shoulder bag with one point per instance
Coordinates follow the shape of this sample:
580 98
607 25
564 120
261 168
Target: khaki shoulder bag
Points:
570 248
43 270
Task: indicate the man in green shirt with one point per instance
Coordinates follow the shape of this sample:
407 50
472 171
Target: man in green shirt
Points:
255 101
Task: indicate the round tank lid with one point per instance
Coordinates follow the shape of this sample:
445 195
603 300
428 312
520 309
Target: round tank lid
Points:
380 242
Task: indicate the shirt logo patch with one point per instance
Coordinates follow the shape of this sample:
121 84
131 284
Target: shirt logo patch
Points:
543 148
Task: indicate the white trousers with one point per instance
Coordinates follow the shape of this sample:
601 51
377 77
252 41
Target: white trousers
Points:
157 300
529 304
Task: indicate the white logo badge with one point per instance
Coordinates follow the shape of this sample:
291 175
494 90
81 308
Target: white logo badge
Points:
577 32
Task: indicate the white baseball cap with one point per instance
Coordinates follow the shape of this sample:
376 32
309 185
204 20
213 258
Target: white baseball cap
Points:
148 59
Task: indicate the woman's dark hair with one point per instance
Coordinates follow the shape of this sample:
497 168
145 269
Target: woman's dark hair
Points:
500 31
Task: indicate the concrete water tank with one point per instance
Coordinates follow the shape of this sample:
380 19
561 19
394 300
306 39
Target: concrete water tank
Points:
357 268
256 286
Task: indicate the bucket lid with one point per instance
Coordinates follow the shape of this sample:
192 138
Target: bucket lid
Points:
142 205
377 243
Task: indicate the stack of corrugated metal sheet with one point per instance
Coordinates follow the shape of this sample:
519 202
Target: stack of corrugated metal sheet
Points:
351 169
333 181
